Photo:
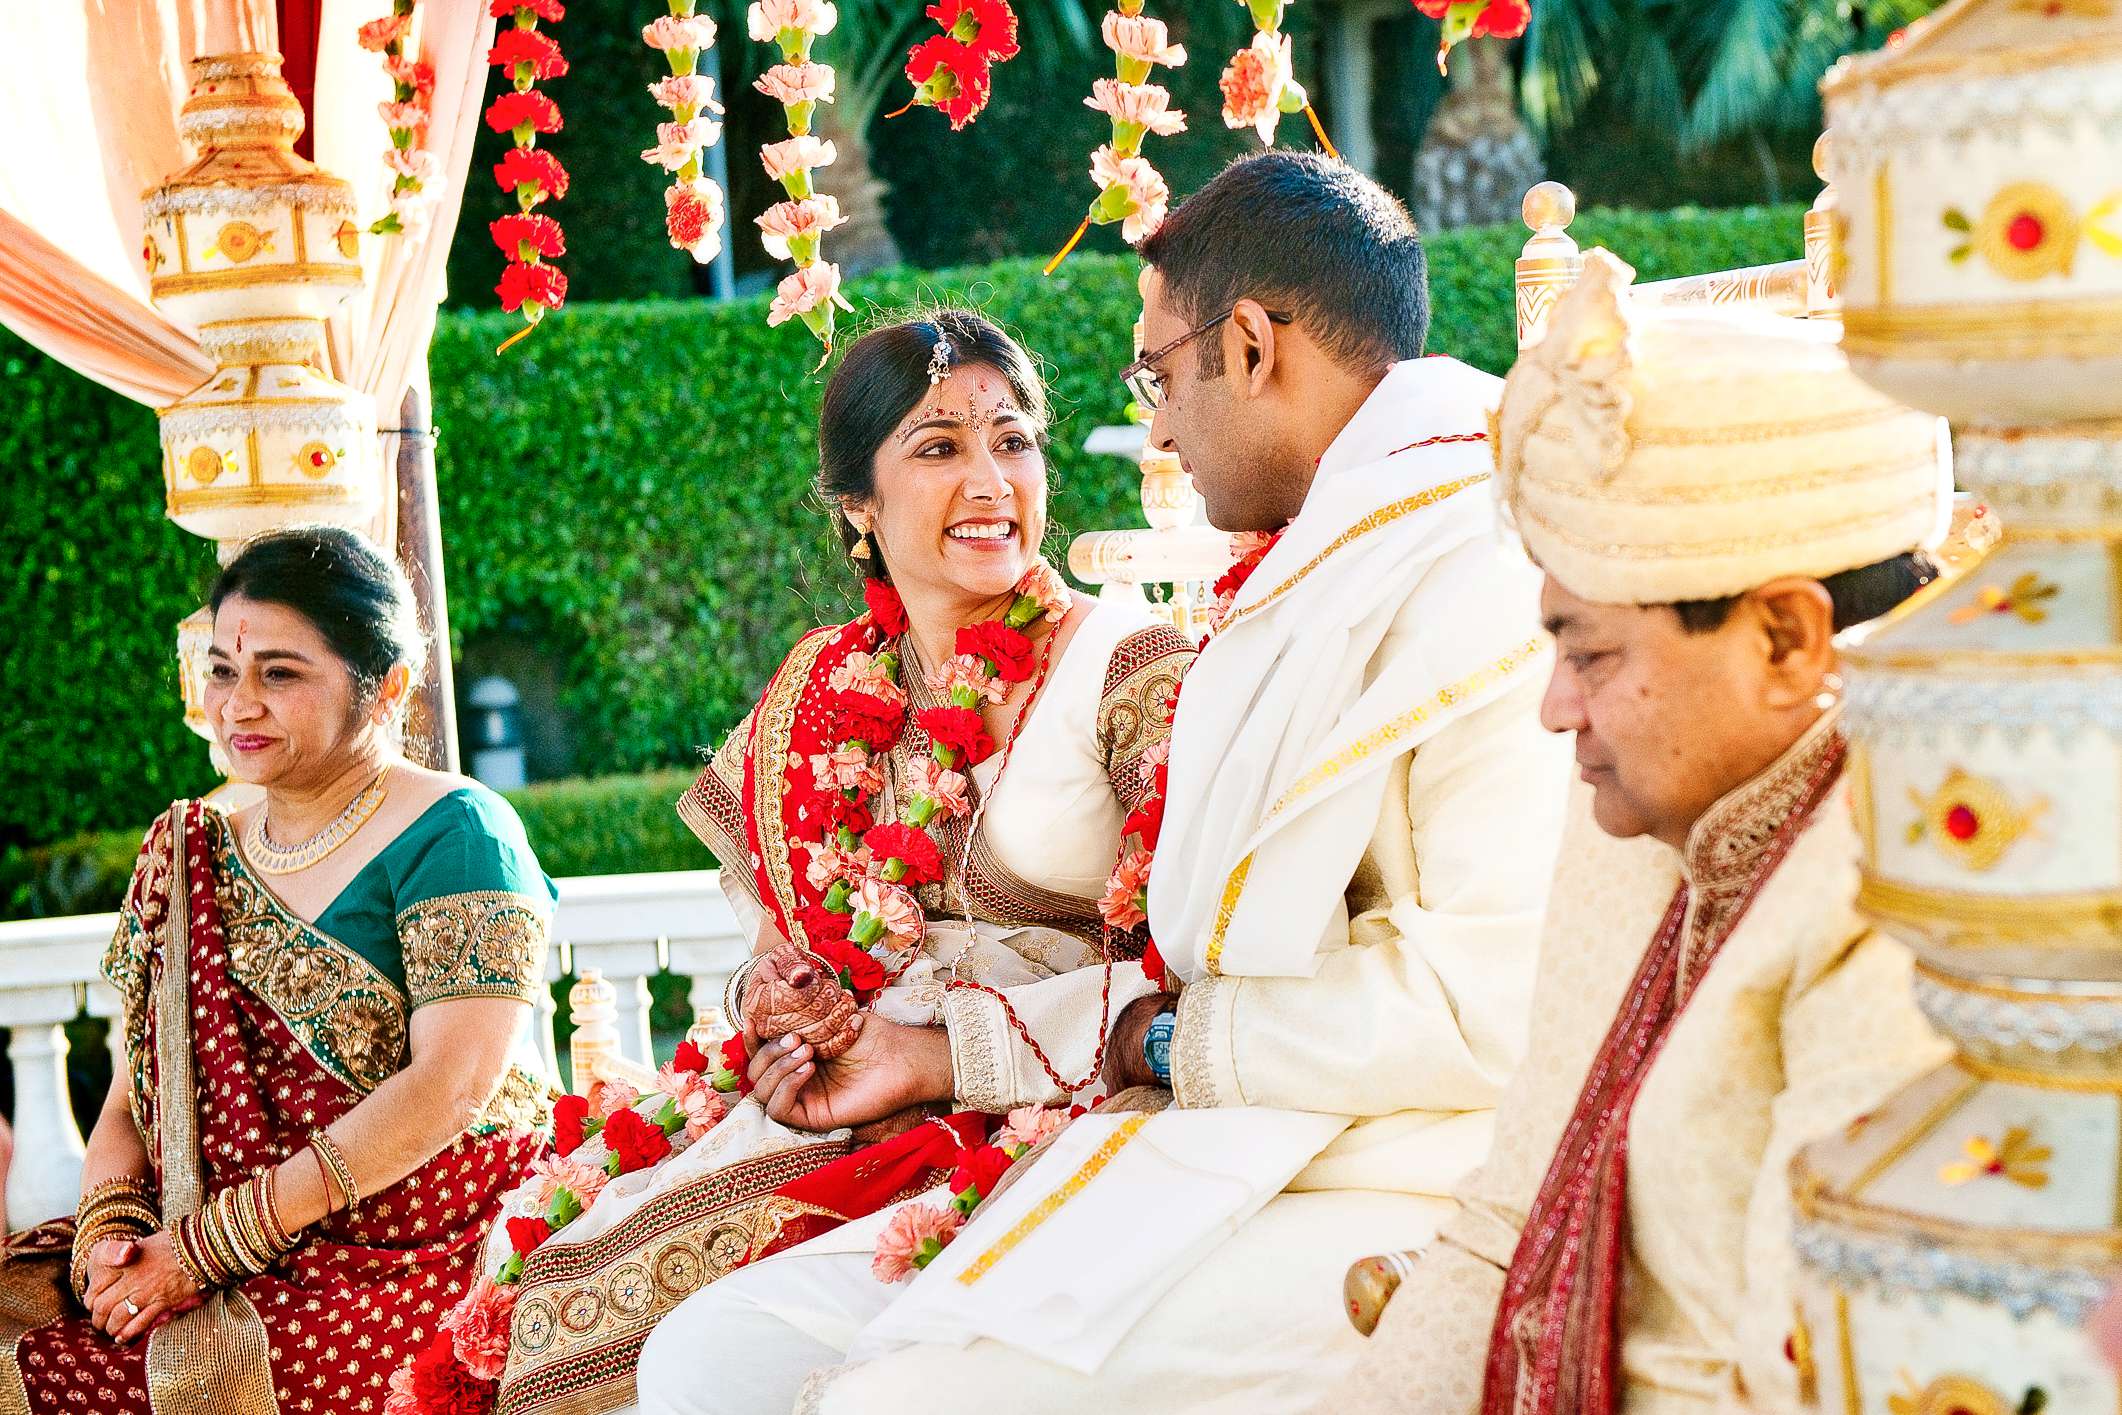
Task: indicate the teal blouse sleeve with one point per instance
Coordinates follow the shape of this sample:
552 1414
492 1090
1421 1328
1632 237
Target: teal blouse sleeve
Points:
474 911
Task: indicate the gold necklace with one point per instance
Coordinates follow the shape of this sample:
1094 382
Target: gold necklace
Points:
274 859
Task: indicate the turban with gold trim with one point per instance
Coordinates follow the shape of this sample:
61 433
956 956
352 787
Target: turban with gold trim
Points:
1649 456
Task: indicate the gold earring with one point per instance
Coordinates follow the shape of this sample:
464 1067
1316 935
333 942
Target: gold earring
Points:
860 549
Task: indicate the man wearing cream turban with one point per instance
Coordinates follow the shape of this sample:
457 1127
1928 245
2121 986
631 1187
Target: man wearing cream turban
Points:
1711 497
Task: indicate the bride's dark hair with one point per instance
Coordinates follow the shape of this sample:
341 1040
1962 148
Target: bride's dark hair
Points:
884 376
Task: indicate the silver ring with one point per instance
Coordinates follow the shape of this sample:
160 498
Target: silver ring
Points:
132 1308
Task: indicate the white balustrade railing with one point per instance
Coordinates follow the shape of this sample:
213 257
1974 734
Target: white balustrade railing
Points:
627 927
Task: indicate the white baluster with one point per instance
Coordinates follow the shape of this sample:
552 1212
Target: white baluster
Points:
45 1180
632 1022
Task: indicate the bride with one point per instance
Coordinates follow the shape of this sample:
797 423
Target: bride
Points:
940 803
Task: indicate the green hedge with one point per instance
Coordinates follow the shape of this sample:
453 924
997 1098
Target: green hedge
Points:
629 490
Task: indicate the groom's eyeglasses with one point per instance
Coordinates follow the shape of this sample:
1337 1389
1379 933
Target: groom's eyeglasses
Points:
1143 380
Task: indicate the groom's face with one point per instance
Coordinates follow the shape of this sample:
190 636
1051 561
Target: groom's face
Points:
1226 442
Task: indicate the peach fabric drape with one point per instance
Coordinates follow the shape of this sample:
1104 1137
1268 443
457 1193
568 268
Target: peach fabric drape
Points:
90 114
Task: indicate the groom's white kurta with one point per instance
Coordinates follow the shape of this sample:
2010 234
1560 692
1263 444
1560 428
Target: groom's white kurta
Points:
1362 822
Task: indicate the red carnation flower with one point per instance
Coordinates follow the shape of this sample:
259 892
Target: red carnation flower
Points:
528 167
733 1067
523 284
1502 19
1008 649
1153 963
981 1168
1434 9
886 610
859 973
443 1385
526 1233
568 1114
530 109
689 1057
987 27
959 730
527 46
541 233
924 863
544 9
850 815
823 924
860 717
634 1142
949 77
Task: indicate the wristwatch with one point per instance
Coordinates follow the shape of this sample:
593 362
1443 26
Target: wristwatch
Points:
1157 1045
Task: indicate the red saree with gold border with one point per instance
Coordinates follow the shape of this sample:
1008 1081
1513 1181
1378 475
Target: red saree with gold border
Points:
288 1030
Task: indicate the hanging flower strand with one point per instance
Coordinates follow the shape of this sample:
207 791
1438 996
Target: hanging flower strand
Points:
794 229
406 116
1475 19
528 240
1130 190
953 71
692 207
1259 85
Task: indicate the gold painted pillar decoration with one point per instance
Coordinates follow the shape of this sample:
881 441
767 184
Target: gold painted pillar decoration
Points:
1953 1242
1549 265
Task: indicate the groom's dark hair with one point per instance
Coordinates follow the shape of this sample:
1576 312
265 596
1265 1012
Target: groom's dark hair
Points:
1306 234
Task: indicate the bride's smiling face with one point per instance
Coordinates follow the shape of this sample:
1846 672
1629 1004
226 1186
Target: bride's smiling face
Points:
960 502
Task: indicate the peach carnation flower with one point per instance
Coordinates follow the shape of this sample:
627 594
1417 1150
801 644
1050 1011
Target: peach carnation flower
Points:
679 143
1142 39
678 32
797 83
799 154
925 776
1146 106
1147 194
1030 1125
962 670
1254 83
897 910
805 290
766 19
858 672
1120 906
478 1328
694 91
915 1231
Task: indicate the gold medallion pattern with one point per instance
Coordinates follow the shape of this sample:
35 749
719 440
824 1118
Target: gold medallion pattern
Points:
1948 1395
239 241
1972 820
484 944
204 465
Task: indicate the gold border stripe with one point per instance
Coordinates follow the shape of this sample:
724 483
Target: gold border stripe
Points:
1923 1130
1232 888
1046 1207
1372 742
1852 1399
1383 516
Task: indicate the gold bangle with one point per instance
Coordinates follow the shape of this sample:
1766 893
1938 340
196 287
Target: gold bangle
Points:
184 1239
250 1219
269 1211
228 1253
336 1167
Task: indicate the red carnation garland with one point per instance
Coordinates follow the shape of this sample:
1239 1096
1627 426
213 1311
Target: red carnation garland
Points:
529 284
1475 19
953 72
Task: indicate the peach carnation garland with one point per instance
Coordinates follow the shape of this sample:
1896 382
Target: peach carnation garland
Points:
795 229
405 117
1258 84
1130 190
692 205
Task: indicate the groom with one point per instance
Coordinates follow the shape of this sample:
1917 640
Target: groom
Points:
1361 821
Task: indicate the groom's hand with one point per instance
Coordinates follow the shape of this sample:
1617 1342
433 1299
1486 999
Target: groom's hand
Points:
1125 1065
888 1068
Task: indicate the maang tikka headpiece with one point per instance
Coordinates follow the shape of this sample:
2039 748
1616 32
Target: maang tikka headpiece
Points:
939 359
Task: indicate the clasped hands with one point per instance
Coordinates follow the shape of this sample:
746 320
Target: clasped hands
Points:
136 1285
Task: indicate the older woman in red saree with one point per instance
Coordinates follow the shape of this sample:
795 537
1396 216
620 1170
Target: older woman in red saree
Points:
317 1116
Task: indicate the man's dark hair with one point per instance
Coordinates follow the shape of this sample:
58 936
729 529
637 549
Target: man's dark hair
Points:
1859 596
1306 234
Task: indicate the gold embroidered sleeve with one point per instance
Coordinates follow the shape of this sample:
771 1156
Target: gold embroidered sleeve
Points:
1134 710
488 944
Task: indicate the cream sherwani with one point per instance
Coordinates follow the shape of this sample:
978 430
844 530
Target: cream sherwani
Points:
1803 1021
1359 838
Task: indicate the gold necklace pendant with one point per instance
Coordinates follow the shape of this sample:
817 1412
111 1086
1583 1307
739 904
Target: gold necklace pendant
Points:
274 859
